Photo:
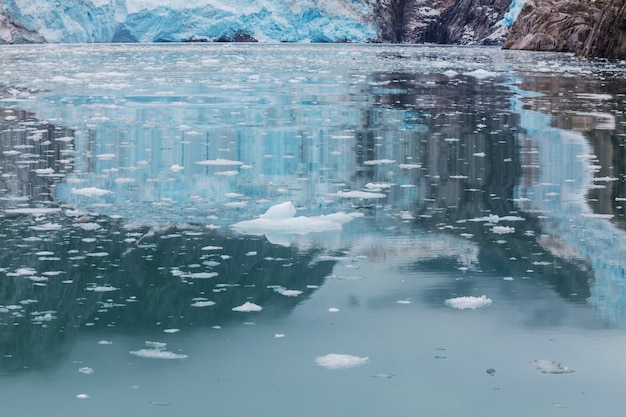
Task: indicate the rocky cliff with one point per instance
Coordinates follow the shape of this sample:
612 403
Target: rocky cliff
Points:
10 32
590 28
442 21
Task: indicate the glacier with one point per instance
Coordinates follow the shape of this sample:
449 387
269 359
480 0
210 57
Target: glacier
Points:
87 21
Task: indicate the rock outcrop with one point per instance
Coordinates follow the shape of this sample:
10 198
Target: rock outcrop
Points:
590 28
608 37
13 33
442 21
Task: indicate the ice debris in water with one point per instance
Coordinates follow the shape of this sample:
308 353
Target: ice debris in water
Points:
340 361
156 350
280 219
82 396
502 230
463 303
551 367
85 370
203 303
248 307
90 191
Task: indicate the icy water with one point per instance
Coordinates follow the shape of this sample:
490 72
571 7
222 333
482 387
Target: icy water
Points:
443 231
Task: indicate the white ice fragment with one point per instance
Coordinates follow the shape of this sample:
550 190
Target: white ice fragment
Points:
333 310
105 342
200 275
279 211
480 154
340 361
90 191
203 303
550 367
248 307
101 288
85 370
463 303
450 73
33 210
287 293
212 248
502 230
176 168
410 166
157 354
481 74
44 171
220 162
279 220
279 335
106 156
171 331
362 195
379 162
88 226
230 173
82 396
47 227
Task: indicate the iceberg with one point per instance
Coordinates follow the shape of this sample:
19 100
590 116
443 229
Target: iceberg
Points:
85 21
464 303
340 361
280 221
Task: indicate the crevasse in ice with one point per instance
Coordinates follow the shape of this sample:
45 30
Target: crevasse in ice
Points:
174 21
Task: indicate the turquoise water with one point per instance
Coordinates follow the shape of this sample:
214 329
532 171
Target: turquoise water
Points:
419 178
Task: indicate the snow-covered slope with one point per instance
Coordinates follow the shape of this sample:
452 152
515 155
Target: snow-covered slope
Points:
174 20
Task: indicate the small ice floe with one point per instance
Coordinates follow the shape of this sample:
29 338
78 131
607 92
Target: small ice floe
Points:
379 162
248 307
105 342
279 335
333 310
90 192
106 156
47 227
171 331
156 350
280 220
82 396
551 367
464 303
33 211
176 168
410 166
481 74
101 288
286 292
340 361
220 162
479 154
85 370
203 303
502 230
361 195
404 302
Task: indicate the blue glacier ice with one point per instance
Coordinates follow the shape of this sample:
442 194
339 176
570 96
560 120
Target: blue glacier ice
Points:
76 21
514 10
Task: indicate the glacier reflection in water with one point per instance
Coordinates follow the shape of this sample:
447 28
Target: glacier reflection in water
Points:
438 221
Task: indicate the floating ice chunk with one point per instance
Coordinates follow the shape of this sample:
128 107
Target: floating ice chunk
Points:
287 293
212 248
220 162
248 307
101 288
279 220
463 303
479 154
106 156
176 168
280 211
379 162
363 195
88 226
410 166
502 230
200 275
230 173
171 331
450 73
279 335
333 310
157 354
124 180
33 210
46 227
22 272
85 370
494 218
481 74
105 342
203 304
340 361
82 396
44 171
550 367
90 191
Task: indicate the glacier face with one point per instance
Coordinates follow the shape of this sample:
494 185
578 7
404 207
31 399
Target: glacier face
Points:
74 21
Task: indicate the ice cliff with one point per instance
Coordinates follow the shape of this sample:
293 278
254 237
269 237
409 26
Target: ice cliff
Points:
440 21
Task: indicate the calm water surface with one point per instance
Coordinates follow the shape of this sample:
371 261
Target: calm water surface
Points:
133 178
